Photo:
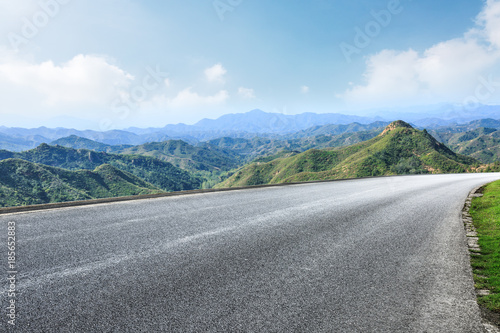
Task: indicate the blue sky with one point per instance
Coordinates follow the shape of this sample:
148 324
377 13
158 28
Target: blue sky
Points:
119 63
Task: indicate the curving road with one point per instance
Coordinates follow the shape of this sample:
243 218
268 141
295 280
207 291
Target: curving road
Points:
371 255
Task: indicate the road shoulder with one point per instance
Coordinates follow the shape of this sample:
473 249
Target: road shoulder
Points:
491 319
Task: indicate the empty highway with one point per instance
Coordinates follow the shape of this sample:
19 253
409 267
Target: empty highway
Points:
368 255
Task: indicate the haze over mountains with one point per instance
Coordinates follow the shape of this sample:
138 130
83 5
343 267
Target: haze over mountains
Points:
241 125
248 125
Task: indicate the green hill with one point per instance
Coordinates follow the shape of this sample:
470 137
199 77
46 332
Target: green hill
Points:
399 149
204 157
224 154
251 149
159 173
26 183
336 130
77 142
482 143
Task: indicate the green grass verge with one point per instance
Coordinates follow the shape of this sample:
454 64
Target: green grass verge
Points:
485 212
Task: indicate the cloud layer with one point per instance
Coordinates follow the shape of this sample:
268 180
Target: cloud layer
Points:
188 98
94 83
88 80
454 71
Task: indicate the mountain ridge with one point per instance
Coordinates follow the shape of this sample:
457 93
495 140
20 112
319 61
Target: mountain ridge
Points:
27 183
162 174
399 149
255 123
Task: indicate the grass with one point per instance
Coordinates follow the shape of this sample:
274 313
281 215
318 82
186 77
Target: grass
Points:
485 212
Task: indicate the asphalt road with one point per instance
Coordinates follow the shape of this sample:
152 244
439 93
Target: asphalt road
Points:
373 255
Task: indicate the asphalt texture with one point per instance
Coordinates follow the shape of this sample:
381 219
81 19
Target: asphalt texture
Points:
370 255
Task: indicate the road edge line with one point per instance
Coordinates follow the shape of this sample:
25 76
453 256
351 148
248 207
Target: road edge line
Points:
66 204
40 207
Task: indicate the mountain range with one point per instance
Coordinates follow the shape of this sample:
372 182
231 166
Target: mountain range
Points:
399 149
234 150
163 175
26 183
255 123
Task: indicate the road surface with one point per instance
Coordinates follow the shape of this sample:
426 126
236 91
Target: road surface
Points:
370 255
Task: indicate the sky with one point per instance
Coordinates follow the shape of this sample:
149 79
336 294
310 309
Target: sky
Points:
112 64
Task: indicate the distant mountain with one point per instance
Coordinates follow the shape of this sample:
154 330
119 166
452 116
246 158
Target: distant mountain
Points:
159 173
20 139
399 149
481 143
20 143
203 157
108 137
225 153
257 121
469 126
332 129
247 125
77 142
317 137
26 183
432 116
240 125
489 123
254 122
250 149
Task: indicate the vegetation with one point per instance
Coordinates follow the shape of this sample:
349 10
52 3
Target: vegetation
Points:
205 157
282 154
485 212
337 130
482 143
399 149
159 173
26 183
77 142
493 167
251 149
211 160
317 153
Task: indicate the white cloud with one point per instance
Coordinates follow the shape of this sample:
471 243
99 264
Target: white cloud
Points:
87 80
489 21
89 86
304 89
450 71
246 93
188 98
183 106
215 73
